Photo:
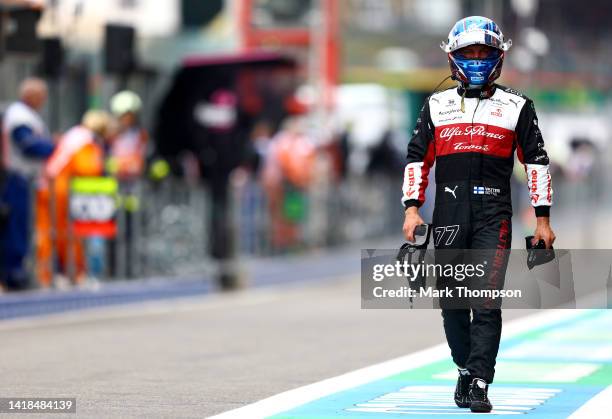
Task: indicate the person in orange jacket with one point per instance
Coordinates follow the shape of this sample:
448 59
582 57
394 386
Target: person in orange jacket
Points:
287 175
79 152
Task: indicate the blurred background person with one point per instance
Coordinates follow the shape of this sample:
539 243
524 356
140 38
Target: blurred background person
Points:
126 161
287 177
129 146
80 152
26 144
26 139
14 230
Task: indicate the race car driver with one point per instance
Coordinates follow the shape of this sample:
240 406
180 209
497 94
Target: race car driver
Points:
471 132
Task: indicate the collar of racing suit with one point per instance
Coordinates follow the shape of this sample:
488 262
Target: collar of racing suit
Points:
484 92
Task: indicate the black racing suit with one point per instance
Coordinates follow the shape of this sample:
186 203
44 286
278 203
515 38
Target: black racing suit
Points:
473 149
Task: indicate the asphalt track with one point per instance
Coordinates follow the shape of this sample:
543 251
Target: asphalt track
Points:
194 357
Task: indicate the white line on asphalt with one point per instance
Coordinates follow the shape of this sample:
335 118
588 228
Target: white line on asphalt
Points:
302 395
437 399
595 407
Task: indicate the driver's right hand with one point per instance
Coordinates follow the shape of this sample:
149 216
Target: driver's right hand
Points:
411 221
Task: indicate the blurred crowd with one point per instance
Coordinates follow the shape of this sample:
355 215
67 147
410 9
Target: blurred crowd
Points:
39 243
35 177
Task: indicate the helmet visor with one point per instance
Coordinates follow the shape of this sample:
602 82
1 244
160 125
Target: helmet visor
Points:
484 53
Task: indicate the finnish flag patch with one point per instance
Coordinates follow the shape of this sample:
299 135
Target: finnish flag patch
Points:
486 190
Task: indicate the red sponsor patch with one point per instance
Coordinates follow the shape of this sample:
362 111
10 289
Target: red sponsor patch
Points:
477 138
411 181
534 181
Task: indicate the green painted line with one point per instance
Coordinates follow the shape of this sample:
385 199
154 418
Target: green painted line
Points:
545 373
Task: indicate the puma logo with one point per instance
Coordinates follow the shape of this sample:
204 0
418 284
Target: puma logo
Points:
451 191
515 103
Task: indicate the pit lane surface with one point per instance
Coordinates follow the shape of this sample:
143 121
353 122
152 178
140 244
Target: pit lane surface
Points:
552 364
194 357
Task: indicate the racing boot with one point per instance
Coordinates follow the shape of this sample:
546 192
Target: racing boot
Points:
463 388
479 401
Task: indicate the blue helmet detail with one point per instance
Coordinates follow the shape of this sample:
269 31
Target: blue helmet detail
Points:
476 30
476 72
